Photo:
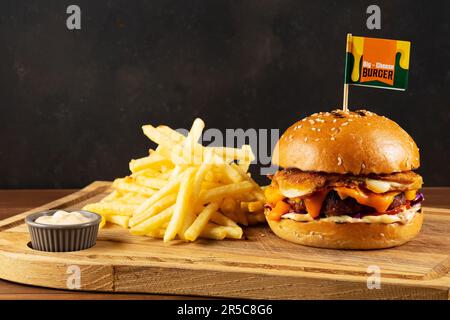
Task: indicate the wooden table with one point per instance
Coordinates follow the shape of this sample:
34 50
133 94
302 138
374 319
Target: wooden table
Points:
16 201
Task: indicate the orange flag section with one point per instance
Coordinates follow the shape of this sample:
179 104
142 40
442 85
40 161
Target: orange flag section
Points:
378 61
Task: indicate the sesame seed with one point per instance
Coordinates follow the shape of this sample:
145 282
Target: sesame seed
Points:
311 121
333 138
344 124
339 161
332 129
334 120
363 165
306 139
318 129
313 129
316 139
320 120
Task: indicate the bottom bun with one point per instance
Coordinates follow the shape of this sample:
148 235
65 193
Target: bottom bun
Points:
326 234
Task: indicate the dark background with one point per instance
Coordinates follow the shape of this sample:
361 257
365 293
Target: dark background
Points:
72 102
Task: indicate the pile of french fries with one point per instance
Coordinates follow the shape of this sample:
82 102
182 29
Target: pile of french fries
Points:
183 190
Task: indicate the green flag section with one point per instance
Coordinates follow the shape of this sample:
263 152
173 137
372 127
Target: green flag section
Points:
381 63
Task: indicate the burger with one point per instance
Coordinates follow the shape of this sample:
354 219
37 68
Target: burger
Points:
346 181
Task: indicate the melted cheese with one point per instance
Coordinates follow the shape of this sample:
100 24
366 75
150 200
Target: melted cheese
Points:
280 209
402 217
314 202
379 202
410 194
273 195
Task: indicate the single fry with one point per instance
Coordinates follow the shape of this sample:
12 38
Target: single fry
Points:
158 234
119 220
157 136
132 198
172 134
232 173
234 232
102 222
182 206
200 175
222 220
209 185
244 165
214 232
128 184
149 173
110 208
196 130
200 222
152 223
230 190
151 162
170 187
255 206
111 197
156 208
230 154
154 183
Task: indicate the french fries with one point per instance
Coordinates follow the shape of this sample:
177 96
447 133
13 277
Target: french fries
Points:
111 208
154 223
201 221
181 211
128 185
119 220
228 190
183 190
156 208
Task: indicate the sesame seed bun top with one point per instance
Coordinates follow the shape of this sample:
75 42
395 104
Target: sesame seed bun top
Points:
357 142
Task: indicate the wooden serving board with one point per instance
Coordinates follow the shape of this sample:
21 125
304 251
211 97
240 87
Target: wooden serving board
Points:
261 266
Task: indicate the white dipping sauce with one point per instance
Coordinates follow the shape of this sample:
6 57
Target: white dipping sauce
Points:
61 217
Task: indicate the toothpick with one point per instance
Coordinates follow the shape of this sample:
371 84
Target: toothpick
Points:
347 49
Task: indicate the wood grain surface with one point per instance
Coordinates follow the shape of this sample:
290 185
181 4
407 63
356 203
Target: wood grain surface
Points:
19 200
262 266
